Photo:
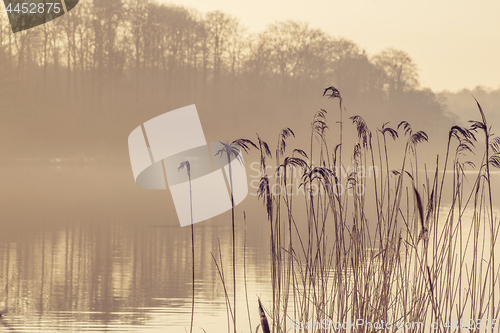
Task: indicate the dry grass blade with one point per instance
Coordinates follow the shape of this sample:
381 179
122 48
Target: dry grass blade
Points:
294 161
420 207
284 134
477 125
264 152
332 92
469 163
244 144
263 319
463 148
320 114
495 161
456 131
264 192
301 152
264 147
392 132
363 132
186 165
483 117
495 145
230 149
406 126
419 137
320 127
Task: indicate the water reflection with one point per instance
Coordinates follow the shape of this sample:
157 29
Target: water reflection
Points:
112 274
99 257
84 249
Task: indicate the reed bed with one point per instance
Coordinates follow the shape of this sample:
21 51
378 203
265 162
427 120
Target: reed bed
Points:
393 252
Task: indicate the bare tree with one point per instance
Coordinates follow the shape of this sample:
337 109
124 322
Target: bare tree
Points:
296 52
401 71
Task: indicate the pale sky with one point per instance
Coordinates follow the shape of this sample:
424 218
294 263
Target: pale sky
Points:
455 43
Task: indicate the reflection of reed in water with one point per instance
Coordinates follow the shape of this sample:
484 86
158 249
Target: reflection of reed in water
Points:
3 309
104 272
3 301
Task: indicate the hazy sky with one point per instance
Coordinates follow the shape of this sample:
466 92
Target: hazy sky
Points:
455 43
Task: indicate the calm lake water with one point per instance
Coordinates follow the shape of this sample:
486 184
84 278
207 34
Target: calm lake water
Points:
85 249
88 250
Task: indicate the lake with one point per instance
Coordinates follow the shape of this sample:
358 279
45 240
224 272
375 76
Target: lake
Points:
85 249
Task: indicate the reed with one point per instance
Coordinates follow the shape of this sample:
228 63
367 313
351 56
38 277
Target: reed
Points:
392 253
389 253
187 165
232 151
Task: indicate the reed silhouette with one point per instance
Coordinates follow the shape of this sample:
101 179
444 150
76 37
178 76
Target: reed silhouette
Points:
232 150
187 165
393 253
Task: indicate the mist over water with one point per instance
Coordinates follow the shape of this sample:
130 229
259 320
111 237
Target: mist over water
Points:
93 251
90 251
83 248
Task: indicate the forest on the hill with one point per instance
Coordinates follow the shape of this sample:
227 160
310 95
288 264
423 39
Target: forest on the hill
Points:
78 85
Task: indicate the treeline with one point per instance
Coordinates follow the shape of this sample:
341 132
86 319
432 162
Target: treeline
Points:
462 104
81 83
